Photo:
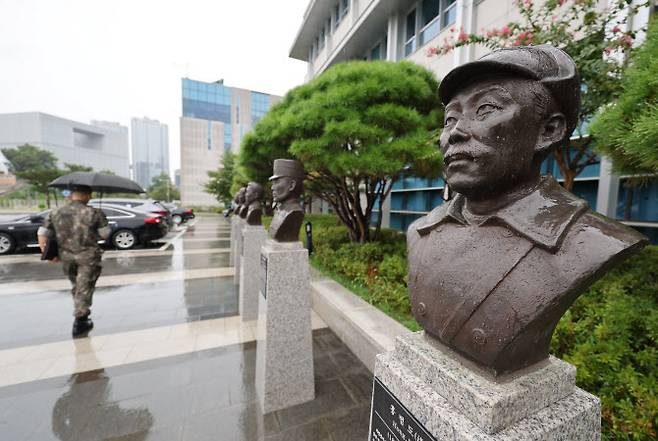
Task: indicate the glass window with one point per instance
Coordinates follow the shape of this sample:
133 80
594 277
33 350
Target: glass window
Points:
449 14
430 10
321 39
336 17
376 52
344 7
410 32
237 110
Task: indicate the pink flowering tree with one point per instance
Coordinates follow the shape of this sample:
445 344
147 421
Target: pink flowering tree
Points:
597 39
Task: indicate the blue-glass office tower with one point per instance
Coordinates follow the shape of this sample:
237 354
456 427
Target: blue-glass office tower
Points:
215 117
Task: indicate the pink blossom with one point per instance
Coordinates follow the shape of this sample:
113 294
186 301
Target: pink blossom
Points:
432 51
562 2
616 29
463 37
452 29
505 31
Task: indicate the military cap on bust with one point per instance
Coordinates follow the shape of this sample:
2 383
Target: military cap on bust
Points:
551 66
287 167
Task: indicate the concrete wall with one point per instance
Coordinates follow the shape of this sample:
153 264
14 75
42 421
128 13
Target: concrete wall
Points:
100 145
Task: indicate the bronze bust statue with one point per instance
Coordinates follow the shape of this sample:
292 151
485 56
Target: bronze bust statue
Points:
492 270
287 187
244 206
253 197
239 200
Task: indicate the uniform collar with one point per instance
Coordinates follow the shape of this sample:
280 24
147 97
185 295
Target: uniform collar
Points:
542 216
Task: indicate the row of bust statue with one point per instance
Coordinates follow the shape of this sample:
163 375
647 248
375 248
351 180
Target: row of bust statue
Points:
287 187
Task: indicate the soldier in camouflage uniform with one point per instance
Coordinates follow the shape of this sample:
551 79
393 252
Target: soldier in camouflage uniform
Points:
77 229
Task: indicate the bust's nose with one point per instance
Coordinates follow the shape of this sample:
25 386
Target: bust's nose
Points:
459 134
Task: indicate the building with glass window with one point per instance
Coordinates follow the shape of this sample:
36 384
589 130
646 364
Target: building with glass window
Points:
394 30
101 145
215 118
150 150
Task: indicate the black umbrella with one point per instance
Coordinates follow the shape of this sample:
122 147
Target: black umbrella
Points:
98 182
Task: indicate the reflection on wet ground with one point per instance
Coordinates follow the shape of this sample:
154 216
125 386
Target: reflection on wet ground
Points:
45 317
125 265
207 393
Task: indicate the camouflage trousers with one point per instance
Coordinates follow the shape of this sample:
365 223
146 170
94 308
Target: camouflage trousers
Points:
83 276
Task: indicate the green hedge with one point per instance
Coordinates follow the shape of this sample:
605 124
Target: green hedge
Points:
609 333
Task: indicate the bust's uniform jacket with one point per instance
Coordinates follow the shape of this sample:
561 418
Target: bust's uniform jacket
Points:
495 291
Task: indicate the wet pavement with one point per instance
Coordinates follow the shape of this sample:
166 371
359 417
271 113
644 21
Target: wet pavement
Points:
167 359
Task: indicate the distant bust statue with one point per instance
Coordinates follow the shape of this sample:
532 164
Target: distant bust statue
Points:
287 187
244 206
239 200
253 197
492 271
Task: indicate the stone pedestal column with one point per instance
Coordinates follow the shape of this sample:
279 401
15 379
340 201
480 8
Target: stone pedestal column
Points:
236 245
284 355
253 238
234 226
426 391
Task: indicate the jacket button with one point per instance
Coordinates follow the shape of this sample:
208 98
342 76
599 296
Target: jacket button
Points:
479 337
421 309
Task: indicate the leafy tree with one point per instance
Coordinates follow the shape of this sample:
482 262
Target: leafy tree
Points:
599 38
627 130
219 184
36 166
70 168
162 189
358 127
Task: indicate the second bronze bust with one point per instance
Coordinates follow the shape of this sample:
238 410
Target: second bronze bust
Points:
287 187
253 201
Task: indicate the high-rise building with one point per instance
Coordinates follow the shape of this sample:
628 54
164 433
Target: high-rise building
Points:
101 145
150 150
215 118
394 30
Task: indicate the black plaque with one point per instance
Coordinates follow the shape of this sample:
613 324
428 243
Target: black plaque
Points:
263 275
391 421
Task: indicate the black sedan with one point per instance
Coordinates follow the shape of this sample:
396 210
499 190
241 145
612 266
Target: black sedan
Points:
129 228
179 215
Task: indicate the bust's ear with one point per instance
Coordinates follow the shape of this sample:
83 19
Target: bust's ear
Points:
293 185
553 130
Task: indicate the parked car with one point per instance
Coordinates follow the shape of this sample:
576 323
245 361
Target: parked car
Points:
20 233
179 214
145 205
129 228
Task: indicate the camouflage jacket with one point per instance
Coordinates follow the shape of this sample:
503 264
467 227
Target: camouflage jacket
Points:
77 227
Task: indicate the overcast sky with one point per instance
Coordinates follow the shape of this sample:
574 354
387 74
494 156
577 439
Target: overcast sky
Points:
113 60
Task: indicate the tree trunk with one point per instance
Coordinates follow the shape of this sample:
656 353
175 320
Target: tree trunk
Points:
569 177
47 197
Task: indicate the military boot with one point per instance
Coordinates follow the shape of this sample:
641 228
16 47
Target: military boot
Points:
81 326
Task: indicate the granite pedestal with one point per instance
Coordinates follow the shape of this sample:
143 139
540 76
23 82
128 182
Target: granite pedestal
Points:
439 394
231 256
237 248
253 238
284 355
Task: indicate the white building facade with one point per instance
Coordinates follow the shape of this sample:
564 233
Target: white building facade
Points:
150 150
215 119
101 145
338 30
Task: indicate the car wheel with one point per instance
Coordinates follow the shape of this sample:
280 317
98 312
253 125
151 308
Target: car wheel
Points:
7 244
177 218
124 239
